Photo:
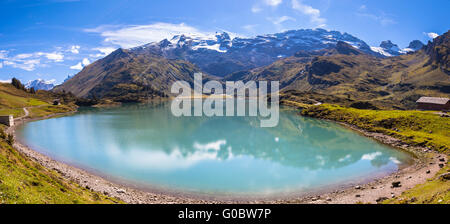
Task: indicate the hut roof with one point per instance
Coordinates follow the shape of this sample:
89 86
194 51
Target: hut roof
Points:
433 100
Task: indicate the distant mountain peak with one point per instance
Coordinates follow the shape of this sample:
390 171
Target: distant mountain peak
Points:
416 45
387 44
40 84
389 49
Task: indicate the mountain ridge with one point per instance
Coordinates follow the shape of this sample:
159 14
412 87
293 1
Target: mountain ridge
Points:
40 84
221 55
339 69
394 82
127 76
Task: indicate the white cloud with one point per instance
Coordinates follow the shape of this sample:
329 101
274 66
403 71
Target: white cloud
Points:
81 64
432 35
75 49
5 81
29 61
280 20
23 56
103 50
314 14
3 54
136 35
54 56
273 3
78 66
27 65
382 18
85 61
1 64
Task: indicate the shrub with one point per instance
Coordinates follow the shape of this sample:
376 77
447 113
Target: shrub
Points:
16 83
10 139
2 134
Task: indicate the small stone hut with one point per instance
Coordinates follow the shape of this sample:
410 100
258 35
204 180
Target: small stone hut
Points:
7 120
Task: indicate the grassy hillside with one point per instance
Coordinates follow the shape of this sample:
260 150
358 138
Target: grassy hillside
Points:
421 128
12 102
25 181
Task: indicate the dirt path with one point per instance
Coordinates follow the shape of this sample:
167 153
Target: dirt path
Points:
27 113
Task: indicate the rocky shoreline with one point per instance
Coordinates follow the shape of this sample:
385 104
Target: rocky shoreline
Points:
426 165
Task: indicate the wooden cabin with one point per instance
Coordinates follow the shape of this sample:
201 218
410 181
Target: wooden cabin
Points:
433 103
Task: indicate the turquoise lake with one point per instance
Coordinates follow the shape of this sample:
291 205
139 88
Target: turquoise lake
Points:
147 145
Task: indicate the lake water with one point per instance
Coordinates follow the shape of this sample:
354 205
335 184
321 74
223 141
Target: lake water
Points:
145 144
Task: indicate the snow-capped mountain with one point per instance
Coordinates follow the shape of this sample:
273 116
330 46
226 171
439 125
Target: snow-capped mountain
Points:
222 54
40 84
389 49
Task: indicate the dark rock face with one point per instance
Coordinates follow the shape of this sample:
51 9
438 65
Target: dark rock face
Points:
439 51
387 44
416 45
390 48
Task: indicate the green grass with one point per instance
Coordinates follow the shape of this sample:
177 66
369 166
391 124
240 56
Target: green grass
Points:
23 181
46 110
35 102
295 104
419 128
16 112
13 100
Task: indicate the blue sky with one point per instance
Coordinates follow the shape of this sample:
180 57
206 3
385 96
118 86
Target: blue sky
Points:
51 39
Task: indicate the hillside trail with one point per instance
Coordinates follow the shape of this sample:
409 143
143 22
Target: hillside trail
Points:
27 113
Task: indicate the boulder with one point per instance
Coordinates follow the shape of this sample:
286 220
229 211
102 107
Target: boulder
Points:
445 176
381 199
396 184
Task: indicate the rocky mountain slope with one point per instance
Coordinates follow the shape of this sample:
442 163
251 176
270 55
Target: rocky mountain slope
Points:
352 75
312 61
127 75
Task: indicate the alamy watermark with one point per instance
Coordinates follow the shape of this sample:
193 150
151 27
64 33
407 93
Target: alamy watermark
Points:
239 99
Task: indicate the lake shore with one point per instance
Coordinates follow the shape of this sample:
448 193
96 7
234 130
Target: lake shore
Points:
370 190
